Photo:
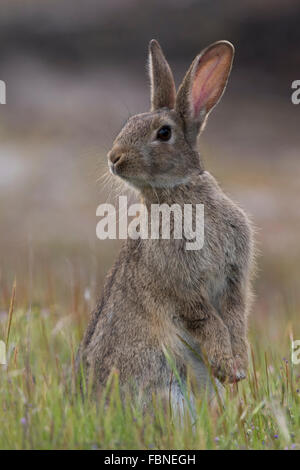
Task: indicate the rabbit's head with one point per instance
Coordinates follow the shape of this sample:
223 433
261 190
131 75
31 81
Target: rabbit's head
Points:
158 148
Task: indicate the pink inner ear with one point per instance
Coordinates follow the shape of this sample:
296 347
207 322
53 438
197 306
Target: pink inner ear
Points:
208 83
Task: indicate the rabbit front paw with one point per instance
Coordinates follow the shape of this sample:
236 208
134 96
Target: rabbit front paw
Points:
240 366
228 373
240 354
220 357
223 368
229 369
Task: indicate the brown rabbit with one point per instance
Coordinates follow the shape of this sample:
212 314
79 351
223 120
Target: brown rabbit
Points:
158 295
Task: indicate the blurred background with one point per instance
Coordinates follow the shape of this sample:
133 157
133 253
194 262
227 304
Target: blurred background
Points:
74 71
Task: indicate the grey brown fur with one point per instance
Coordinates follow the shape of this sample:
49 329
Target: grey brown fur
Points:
157 292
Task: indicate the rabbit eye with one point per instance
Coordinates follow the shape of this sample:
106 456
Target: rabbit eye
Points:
164 133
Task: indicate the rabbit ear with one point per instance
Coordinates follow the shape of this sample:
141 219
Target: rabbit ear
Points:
163 92
203 86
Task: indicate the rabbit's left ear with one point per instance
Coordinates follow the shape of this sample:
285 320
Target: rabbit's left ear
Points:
203 86
163 92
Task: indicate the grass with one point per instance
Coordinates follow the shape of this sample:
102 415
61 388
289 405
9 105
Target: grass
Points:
42 409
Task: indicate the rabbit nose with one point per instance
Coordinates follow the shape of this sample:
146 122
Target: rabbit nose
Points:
114 156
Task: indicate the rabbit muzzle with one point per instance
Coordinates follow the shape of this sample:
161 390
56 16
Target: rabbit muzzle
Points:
115 158
125 162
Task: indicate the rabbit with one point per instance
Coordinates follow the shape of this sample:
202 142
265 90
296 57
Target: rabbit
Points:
160 297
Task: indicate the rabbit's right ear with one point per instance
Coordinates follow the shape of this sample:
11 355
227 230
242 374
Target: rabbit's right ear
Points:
163 92
203 86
